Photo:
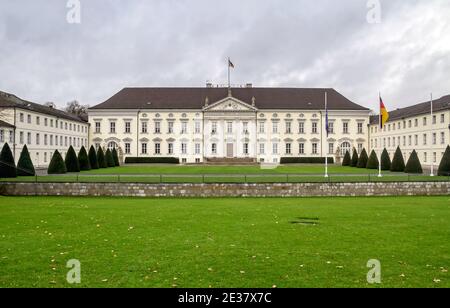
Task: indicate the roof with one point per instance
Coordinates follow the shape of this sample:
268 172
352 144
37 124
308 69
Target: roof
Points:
412 111
10 101
194 98
5 124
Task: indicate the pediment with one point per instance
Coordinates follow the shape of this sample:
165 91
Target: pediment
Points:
230 104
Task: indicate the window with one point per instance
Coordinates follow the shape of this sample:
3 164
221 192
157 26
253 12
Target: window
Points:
262 148
170 148
442 138
424 139
127 127
21 117
246 149
170 130
112 127
197 160
214 149
197 128
127 148
157 148
442 118
2 135
197 149
331 148
416 122
275 128
360 148
434 138
331 127
144 148
229 127
45 157
214 128
404 141
275 148
51 122
425 157
301 148
434 119
97 145
410 140
347 147
288 127
21 137
416 140
409 124
314 148
11 137
51 139
45 122
65 141
288 149
245 128
360 128
262 127
345 128
65 126
424 121
112 145
301 127
29 119
184 148
314 127
183 127
38 121
434 157
157 127
144 126
56 140
28 138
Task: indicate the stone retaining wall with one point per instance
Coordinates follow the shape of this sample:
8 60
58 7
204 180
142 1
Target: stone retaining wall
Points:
226 190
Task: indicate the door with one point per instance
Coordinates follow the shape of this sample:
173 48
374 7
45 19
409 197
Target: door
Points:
230 153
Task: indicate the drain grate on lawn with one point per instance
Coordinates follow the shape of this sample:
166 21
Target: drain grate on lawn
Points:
306 221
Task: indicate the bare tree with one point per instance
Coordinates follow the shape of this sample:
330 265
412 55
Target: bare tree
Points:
74 107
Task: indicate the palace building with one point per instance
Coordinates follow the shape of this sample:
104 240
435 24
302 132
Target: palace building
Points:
216 124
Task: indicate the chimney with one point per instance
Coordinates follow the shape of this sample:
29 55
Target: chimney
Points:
209 84
249 85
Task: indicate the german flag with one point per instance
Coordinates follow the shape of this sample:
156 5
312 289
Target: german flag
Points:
384 114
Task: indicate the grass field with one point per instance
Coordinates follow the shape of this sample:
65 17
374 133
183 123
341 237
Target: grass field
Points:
315 242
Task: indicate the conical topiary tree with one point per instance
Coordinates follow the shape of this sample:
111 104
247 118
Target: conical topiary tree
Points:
385 160
116 158
7 164
355 158
109 159
363 158
71 161
398 163
101 159
347 159
444 167
373 162
413 165
93 158
25 165
83 160
57 165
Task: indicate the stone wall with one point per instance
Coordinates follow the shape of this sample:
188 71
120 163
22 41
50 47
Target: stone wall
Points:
226 190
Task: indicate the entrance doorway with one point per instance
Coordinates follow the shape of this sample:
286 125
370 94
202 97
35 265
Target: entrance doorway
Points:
230 152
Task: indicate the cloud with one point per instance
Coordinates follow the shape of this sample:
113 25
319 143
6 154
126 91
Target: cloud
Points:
322 43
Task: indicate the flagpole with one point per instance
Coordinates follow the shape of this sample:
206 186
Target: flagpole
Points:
229 73
432 158
381 128
326 128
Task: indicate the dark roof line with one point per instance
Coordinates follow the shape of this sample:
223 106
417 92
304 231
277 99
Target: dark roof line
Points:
194 98
11 101
440 104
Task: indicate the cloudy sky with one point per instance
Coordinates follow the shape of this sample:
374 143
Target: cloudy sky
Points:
289 43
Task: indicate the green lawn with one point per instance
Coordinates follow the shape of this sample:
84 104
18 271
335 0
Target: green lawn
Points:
225 242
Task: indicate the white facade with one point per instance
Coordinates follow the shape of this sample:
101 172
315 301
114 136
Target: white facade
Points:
228 128
42 133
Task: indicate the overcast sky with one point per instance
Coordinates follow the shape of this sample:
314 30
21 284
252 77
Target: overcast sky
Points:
288 43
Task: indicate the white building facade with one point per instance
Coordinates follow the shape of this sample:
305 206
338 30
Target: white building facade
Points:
415 128
198 125
42 129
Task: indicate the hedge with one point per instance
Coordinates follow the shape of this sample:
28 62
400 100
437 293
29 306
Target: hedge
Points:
413 165
152 160
305 160
101 159
398 163
355 158
363 158
57 165
83 160
71 161
115 157
25 165
444 167
385 161
373 162
93 161
109 158
347 159
7 164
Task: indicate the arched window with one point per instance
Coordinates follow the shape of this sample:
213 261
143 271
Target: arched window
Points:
346 147
112 145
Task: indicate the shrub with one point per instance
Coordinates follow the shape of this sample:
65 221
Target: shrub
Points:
93 161
57 165
25 165
398 163
101 159
363 158
71 161
83 160
385 160
355 158
7 164
413 165
115 157
152 160
444 167
109 158
306 160
347 159
373 162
